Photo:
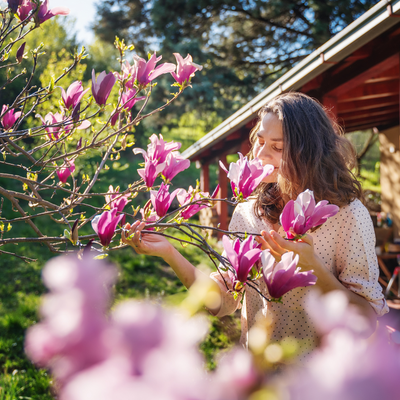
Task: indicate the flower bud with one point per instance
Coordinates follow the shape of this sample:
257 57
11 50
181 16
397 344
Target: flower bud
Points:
74 232
20 53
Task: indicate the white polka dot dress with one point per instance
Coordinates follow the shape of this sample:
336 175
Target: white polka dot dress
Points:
346 245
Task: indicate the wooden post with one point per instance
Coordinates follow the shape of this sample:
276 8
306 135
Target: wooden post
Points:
222 207
205 178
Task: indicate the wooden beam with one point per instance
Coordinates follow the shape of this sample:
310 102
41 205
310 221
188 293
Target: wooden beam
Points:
374 121
365 105
383 48
205 178
382 79
368 97
362 114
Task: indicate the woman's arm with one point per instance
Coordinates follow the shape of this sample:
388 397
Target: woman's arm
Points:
159 246
308 260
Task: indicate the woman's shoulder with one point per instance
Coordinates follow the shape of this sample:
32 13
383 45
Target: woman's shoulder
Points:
354 209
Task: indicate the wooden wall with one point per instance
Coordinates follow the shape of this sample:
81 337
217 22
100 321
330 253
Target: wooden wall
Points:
390 174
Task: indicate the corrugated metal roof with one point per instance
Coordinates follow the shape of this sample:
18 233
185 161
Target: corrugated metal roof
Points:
366 28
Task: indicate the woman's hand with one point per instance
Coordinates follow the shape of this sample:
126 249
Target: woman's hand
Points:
145 243
277 245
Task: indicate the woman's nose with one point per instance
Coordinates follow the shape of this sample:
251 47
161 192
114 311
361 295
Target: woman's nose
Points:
263 153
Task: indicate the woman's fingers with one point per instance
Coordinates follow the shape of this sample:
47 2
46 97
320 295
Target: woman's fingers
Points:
261 240
129 233
273 244
137 237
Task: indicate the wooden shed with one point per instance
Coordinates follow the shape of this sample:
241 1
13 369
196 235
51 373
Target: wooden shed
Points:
356 75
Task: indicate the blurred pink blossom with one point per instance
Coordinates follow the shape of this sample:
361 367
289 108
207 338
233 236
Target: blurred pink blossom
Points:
71 337
141 351
333 311
347 368
126 101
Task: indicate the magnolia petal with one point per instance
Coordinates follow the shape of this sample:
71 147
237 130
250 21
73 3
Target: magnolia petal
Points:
231 254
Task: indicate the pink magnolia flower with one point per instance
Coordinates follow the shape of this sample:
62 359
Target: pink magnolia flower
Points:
301 215
242 256
127 100
246 175
119 203
10 117
148 215
283 276
174 165
186 68
145 72
157 149
53 132
162 199
101 88
150 171
44 13
185 197
65 170
24 9
73 95
127 70
105 224
120 200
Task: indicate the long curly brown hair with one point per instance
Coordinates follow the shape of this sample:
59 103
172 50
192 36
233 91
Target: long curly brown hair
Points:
316 156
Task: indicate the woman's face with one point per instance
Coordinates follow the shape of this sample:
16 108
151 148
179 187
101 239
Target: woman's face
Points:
269 145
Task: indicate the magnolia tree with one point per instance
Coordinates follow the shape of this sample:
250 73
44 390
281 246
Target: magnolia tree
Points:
42 159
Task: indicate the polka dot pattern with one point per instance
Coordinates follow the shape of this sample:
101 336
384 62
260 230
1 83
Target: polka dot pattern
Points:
346 245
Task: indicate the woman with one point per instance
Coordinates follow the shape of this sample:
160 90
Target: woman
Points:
295 135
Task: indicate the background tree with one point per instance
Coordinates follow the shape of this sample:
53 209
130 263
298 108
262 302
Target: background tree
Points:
244 45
